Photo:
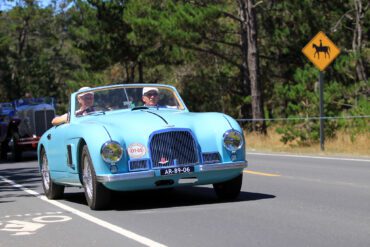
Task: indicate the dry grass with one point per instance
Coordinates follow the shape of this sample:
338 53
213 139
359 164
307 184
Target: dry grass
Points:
342 145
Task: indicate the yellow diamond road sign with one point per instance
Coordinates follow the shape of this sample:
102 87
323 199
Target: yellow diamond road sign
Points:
321 51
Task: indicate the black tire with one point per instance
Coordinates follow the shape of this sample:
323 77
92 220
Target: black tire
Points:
4 150
229 190
51 189
16 153
97 196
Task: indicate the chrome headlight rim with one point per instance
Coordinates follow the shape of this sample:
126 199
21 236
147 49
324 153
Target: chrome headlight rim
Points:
111 157
228 134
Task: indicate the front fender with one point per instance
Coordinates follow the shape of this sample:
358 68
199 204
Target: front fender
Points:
73 137
94 136
210 128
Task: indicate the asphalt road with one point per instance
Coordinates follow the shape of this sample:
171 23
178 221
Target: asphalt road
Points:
285 201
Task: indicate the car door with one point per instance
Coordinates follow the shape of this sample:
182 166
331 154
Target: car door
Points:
56 150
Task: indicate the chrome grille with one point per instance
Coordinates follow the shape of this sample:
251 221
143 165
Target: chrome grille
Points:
173 148
43 121
136 165
209 158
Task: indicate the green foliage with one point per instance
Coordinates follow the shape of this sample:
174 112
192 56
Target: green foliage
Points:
162 29
291 81
194 45
361 107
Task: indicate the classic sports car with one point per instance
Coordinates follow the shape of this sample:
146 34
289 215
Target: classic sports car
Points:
122 144
24 124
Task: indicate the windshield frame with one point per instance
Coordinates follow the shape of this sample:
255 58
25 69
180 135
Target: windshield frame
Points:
74 106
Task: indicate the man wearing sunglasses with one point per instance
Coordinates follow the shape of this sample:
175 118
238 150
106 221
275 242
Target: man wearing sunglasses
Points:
150 96
86 101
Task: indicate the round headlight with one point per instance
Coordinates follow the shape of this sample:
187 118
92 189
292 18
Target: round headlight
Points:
111 152
233 140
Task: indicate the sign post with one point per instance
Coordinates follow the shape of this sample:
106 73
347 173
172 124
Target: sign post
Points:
322 136
321 51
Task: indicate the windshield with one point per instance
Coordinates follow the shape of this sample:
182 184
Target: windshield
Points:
34 101
133 98
6 105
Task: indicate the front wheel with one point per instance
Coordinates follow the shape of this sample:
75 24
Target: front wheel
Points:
97 196
14 148
4 150
229 190
51 189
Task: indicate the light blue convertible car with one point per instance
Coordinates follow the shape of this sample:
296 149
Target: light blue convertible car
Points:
138 137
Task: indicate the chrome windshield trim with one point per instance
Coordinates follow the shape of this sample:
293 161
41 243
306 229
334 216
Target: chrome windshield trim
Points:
223 166
124 176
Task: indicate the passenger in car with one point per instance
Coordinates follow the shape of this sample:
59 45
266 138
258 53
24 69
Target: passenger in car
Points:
86 101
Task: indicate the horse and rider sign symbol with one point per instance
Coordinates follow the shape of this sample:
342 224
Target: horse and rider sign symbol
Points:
321 51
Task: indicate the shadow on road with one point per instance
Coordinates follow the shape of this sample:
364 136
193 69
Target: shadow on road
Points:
166 198
29 177
136 200
26 156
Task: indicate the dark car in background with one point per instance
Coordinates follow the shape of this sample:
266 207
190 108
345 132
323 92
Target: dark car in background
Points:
22 126
7 111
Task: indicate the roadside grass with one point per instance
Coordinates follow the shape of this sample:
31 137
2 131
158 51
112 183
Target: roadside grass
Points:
342 145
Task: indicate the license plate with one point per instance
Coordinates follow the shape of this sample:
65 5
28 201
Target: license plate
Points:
177 170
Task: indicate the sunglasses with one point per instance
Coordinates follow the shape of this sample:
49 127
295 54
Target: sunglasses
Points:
86 96
155 94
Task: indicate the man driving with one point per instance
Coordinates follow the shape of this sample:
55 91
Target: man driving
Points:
150 96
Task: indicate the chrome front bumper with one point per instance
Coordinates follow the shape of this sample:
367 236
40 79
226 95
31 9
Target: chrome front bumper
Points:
151 173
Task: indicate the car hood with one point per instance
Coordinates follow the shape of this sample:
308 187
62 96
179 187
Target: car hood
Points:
137 126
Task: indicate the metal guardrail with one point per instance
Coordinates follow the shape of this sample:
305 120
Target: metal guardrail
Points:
306 119
298 118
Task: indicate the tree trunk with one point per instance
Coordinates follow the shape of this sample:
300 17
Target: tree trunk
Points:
244 48
141 72
16 69
249 35
132 72
357 41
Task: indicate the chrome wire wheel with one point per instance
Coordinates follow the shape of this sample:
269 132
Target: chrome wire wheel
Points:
87 177
11 142
97 196
14 148
45 172
51 189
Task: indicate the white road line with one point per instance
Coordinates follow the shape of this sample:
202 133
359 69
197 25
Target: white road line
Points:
141 239
310 157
